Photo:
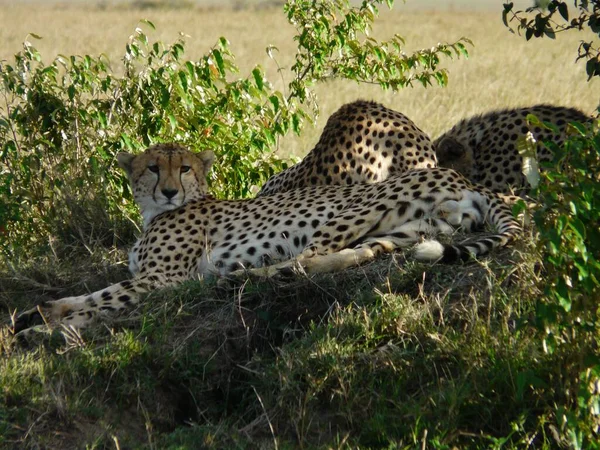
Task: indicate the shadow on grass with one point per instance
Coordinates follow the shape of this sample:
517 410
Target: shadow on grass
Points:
393 353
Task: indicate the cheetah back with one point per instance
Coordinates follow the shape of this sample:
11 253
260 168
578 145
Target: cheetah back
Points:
363 142
483 148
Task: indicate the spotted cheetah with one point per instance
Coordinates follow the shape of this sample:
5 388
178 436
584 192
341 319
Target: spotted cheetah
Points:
483 148
363 142
326 228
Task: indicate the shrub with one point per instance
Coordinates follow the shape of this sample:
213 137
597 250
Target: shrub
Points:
567 219
61 124
567 315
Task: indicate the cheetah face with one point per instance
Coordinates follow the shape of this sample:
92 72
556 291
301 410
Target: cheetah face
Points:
165 177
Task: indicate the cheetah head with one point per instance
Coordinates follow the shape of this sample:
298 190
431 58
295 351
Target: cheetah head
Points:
165 177
454 155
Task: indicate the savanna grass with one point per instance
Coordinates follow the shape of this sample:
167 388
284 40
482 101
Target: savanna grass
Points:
389 354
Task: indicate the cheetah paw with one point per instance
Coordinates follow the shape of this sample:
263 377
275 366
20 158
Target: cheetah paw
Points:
30 319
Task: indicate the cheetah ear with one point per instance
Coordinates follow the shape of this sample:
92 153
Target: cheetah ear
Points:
125 161
207 157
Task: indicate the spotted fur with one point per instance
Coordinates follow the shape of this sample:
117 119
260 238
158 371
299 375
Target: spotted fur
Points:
363 142
317 228
483 148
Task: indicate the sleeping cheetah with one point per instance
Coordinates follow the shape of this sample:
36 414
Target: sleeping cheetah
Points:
483 148
327 228
363 142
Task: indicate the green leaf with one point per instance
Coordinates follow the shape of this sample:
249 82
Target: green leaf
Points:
177 50
562 294
258 78
463 50
583 270
590 68
126 141
269 136
172 121
296 123
550 344
563 10
528 34
505 16
149 23
275 102
219 60
581 129
578 227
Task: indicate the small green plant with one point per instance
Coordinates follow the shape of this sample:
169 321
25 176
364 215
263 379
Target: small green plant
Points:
568 315
63 123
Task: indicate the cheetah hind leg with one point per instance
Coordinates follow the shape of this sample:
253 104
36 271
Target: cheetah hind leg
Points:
400 237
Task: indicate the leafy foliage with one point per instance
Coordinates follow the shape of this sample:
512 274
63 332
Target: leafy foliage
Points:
547 23
567 218
568 315
333 42
61 124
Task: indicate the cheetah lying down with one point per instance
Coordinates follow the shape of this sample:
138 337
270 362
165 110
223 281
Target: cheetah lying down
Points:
320 228
484 148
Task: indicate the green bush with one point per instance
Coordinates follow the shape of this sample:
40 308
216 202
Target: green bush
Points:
61 124
568 218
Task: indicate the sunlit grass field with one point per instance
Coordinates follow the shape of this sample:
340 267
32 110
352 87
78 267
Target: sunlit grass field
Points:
393 354
503 71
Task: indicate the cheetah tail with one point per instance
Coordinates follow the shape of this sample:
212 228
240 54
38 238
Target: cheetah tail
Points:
499 215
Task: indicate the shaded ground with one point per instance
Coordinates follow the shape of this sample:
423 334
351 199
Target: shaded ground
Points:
391 353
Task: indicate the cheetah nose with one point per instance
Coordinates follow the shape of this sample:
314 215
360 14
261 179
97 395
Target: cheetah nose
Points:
169 193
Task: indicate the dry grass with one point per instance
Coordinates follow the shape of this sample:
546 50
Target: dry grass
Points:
504 70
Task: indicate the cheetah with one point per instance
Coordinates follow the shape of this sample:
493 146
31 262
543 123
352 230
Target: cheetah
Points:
363 142
483 148
316 228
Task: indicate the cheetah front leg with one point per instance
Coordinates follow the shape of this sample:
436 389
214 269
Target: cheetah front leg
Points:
80 311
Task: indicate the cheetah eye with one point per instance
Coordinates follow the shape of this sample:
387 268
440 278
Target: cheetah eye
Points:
153 168
185 169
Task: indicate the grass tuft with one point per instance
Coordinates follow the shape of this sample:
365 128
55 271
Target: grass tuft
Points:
392 354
